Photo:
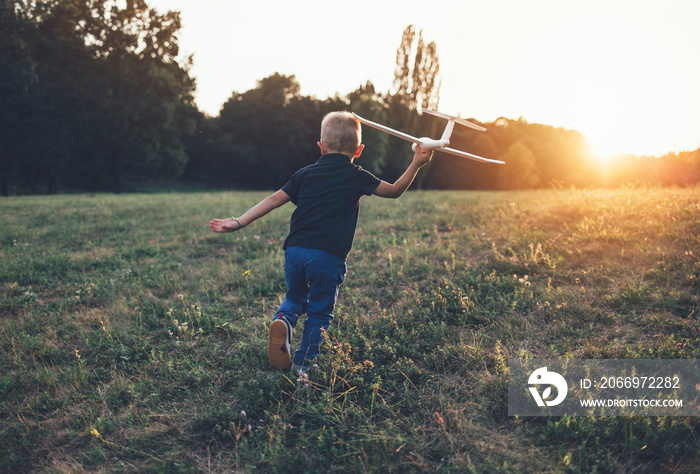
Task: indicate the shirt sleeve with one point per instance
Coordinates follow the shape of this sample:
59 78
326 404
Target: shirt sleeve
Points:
292 188
367 182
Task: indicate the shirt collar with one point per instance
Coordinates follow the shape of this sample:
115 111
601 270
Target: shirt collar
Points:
336 157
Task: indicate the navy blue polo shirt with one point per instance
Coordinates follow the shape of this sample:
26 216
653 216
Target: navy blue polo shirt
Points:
327 195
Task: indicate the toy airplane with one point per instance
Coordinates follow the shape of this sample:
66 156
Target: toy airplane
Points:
430 144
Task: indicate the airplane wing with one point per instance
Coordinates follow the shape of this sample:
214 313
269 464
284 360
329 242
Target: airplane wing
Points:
410 138
388 130
463 154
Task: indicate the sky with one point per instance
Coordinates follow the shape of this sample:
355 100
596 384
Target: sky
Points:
624 73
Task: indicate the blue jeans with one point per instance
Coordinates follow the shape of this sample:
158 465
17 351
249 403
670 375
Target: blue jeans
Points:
313 278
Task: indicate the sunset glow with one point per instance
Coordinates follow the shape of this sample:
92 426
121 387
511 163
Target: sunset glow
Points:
615 79
622 72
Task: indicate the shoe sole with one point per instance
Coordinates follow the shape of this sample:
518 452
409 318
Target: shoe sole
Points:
277 349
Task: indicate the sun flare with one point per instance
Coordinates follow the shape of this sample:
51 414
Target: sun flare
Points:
614 79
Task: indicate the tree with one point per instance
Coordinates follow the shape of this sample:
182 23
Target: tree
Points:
520 171
416 80
415 85
46 108
366 102
264 135
144 103
17 74
110 100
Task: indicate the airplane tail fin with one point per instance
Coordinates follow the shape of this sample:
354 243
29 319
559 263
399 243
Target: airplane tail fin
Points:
445 138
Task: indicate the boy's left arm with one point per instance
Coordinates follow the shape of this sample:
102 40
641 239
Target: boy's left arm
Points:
268 204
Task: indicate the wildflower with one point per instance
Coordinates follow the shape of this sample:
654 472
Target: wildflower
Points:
244 414
247 272
95 433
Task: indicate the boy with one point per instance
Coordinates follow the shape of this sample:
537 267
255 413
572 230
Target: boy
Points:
327 195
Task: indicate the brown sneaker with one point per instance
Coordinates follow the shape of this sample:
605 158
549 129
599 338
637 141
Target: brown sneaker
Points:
279 343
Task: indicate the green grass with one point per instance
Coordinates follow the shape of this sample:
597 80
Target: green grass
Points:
134 339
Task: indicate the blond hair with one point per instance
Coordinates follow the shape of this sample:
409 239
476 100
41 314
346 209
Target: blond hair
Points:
341 132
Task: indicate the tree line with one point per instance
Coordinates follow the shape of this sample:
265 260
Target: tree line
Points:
93 97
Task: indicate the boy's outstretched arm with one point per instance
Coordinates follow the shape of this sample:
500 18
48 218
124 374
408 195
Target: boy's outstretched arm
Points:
420 158
233 224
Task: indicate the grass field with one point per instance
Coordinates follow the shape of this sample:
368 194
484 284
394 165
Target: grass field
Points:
134 339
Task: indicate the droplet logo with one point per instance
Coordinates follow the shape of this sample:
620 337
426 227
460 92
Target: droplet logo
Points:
542 376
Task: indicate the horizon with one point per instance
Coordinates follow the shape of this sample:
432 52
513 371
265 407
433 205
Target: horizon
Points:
622 73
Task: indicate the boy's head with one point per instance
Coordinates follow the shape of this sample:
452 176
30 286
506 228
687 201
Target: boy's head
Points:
341 132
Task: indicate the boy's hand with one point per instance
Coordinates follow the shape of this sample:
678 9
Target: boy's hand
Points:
225 225
422 157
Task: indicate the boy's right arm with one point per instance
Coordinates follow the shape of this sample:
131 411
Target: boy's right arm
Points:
420 158
268 204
